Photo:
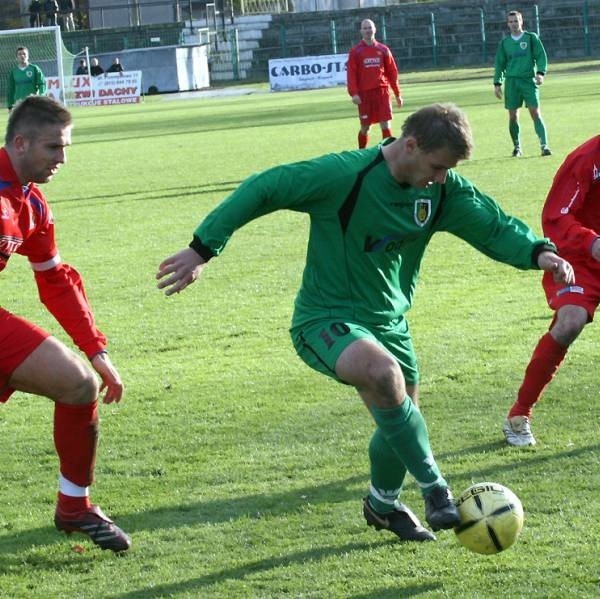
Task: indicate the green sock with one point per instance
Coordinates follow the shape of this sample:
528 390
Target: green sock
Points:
540 130
404 429
387 474
515 133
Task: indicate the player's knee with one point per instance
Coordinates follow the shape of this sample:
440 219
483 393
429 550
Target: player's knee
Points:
569 326
385 378
84 387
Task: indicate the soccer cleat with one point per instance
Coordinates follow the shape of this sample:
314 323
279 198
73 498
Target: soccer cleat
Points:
546 151
402 522
94 523
517 431
517 153
440 511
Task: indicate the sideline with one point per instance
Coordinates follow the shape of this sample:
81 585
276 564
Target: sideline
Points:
237 90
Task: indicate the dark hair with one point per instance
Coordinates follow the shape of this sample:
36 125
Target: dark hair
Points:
33 113
515 13
22 48
440 126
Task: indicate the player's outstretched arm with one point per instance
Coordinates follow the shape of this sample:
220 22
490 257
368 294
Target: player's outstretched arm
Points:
560 268
180 270
111 381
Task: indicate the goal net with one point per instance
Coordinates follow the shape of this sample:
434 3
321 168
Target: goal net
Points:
46 50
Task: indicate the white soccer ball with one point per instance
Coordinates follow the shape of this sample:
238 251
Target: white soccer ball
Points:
491 518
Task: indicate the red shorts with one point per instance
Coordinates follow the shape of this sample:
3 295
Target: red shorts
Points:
18 338
585 292
375 106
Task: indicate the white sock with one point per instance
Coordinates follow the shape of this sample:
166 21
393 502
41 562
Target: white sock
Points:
66 487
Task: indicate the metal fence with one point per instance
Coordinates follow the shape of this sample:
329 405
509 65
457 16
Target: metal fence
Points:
439 37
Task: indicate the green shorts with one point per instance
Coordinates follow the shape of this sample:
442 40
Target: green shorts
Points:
518 90
320 343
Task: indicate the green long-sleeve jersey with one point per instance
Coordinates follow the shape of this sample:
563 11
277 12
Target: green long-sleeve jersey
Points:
368 233
24 82
522 58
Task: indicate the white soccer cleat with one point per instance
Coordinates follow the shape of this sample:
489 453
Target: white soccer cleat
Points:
517 431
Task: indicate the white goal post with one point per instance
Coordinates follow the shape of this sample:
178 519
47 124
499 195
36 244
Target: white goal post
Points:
46 50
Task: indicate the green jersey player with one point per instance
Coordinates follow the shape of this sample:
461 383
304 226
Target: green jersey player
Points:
521 65
24 80
372 214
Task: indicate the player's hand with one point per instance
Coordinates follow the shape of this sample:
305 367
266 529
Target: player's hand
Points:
498 91
561 270
111 381
539 79
399 101
356 99
596 249
179 271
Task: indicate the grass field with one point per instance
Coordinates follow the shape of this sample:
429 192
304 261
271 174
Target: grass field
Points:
237 470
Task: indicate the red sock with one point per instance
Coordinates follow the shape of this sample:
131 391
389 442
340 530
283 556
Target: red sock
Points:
363 140
547 357
75 439
73 504
386 133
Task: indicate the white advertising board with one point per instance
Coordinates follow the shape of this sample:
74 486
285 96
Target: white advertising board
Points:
307 72
111 88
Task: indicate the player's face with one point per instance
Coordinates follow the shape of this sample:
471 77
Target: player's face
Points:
23 57
515 24
367 30
430 167
41 157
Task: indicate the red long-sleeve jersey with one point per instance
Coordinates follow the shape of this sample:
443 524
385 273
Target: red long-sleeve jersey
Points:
370 67
571 214
27 228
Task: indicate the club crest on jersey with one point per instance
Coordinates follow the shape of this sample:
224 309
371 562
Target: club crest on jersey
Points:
422 211
523 45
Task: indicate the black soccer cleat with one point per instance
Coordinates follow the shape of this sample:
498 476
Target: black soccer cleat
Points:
440 511
93 523
546 151
517 153
402 522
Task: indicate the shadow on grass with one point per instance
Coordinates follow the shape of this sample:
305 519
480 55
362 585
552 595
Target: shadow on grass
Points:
200 583
258 506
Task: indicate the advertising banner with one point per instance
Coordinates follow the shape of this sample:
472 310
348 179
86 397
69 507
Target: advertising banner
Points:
110 88
307 72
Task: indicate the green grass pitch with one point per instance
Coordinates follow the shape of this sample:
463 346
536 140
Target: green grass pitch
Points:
237 470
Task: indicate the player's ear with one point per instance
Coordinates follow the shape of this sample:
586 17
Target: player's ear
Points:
20 143
410 144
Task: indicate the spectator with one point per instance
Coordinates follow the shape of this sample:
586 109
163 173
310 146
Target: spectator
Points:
82 69
67 8
35 13
116 66
95 68
25 79
51 10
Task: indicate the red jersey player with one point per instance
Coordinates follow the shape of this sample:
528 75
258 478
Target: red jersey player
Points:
31 360
571 218
371 71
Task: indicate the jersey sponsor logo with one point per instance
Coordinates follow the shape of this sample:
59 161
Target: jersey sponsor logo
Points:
571 289
422 211
9 244
374 61
389 243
